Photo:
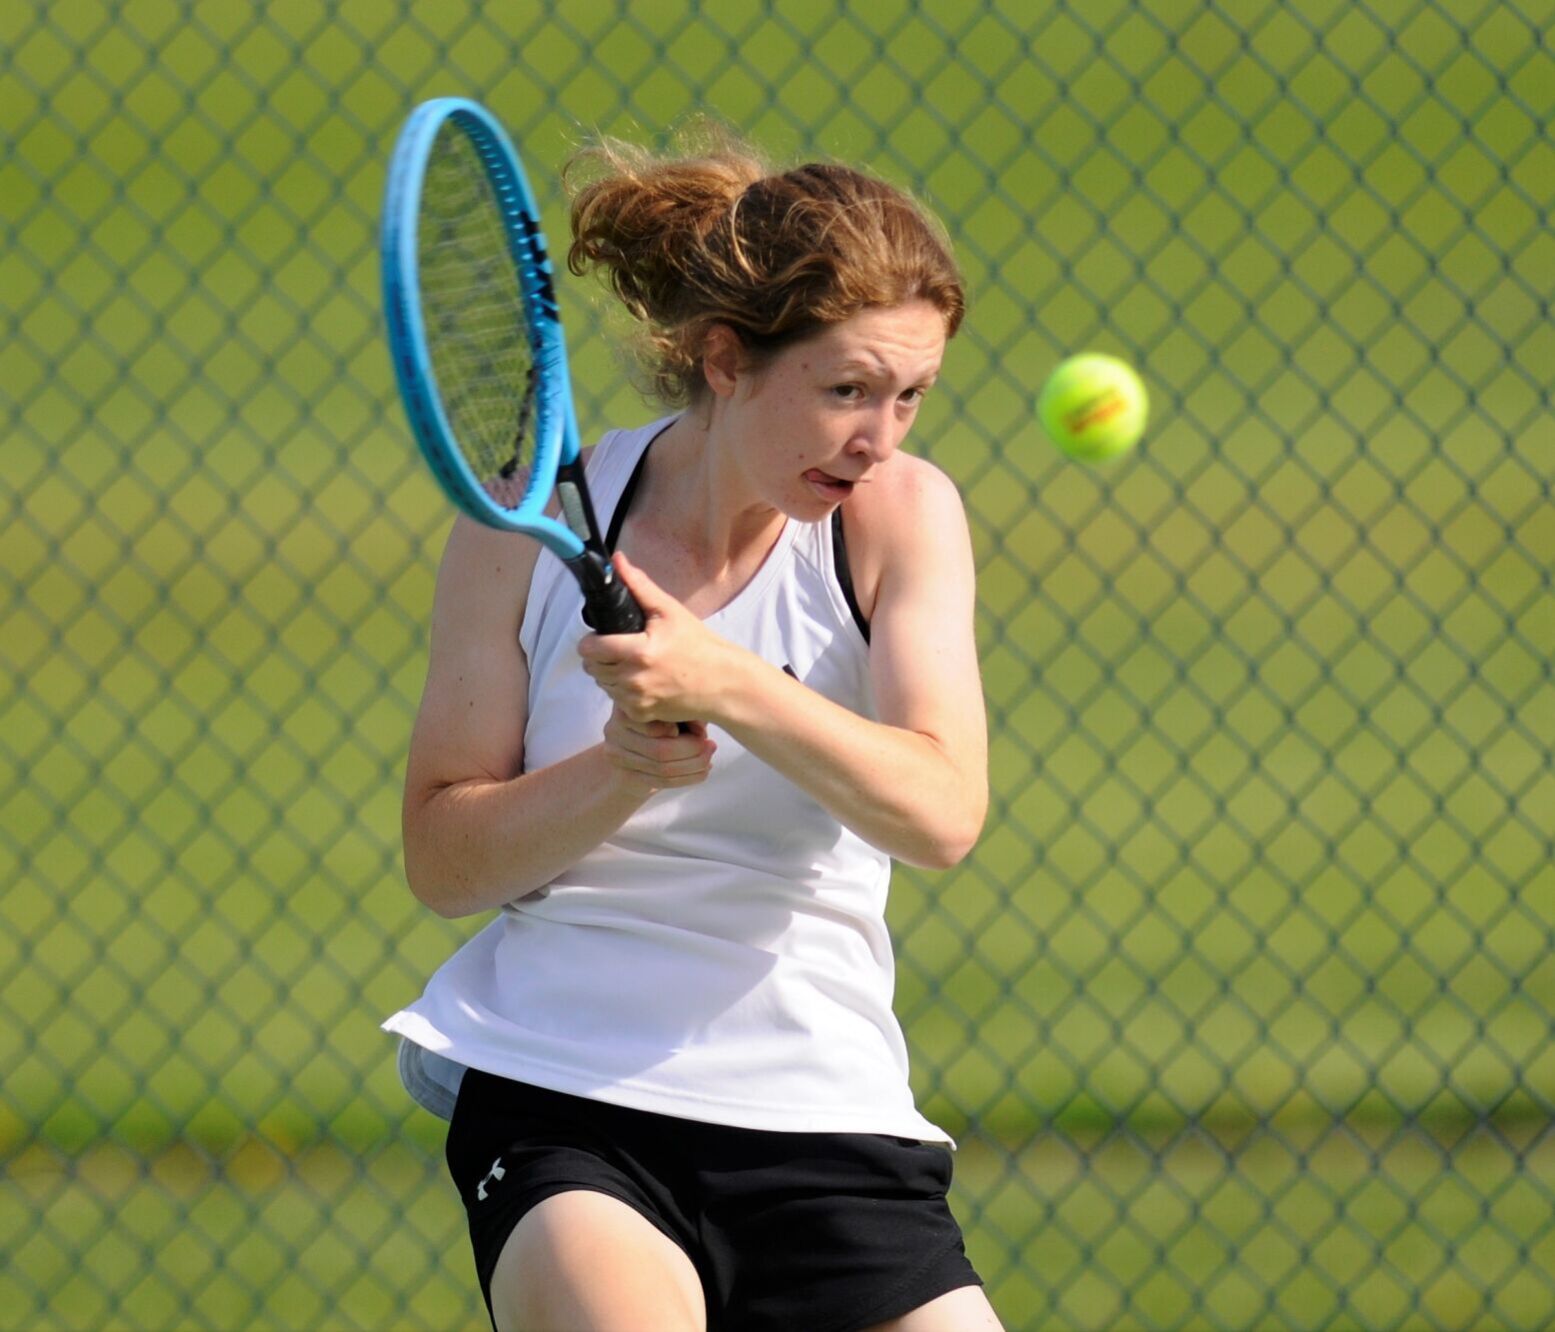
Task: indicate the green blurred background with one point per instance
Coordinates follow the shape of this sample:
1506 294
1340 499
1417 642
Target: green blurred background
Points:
1241 1010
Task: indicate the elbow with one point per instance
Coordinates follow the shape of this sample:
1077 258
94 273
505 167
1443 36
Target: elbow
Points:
446 874
430 888
944 853
948 813
428 875
429 871
444 895
949 841
440 902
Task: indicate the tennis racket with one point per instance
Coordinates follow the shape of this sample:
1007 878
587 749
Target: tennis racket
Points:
477 342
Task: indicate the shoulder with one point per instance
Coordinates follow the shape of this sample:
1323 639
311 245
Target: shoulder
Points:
483 581
903 498
488 570
909 513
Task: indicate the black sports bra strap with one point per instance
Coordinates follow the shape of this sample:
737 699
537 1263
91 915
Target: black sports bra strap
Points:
628 491
839 548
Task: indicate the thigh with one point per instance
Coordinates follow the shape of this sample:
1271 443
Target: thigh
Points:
582 1261
964 1310
577 1179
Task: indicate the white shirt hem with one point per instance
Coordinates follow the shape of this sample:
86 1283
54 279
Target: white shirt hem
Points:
636 1094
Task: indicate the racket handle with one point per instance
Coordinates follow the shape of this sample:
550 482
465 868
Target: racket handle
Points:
608 607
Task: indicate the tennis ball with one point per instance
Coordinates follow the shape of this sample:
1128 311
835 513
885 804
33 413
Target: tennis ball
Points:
1093 407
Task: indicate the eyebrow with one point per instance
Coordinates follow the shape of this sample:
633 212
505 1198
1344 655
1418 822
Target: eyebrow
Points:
876 367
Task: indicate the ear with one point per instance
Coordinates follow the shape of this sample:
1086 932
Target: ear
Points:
723 357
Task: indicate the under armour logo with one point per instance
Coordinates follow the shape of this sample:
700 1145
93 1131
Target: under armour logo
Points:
495 1173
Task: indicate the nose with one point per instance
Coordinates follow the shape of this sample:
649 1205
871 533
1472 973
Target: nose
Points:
877 437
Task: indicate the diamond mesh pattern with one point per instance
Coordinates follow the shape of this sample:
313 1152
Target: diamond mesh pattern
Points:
1241 1010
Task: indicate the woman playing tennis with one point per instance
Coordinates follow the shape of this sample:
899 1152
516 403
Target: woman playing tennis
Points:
679 1097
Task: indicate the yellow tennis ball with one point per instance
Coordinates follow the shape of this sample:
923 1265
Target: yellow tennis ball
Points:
1094 407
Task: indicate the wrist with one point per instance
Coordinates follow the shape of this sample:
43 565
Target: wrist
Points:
742 696
621 790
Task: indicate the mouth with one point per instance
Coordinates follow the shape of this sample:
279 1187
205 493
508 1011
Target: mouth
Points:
831 488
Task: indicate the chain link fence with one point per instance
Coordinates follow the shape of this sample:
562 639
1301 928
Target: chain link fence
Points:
1242 1009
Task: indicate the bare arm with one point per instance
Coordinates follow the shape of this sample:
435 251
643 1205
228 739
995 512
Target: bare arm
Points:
913 783
480 831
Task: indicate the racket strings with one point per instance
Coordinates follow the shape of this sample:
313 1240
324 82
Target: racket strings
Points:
509 469
472 302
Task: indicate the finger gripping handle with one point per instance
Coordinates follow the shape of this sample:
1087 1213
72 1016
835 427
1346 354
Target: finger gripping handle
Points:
608 607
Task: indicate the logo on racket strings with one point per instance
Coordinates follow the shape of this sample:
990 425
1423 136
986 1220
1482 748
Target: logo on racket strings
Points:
540 265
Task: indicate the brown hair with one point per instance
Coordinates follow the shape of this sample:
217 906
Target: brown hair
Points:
716 237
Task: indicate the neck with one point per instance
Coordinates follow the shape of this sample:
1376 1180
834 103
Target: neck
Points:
695 496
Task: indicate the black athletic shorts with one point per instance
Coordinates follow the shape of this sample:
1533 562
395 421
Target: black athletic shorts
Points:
829 1232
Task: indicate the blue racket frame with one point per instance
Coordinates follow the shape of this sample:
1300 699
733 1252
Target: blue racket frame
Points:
556 445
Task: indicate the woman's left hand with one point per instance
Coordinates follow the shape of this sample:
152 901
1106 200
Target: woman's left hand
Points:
670 671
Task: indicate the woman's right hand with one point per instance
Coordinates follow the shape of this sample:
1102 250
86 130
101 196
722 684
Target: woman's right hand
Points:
653 755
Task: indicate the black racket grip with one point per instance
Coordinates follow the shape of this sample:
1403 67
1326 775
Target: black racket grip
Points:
608 607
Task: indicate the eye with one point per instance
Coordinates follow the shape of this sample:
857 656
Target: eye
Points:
848 392
913 396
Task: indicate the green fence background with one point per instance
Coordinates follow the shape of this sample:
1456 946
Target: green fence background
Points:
1242 1008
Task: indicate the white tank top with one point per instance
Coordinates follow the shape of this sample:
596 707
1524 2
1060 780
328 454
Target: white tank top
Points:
723 957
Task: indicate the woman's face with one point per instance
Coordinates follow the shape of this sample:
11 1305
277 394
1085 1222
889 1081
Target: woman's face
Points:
827 412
